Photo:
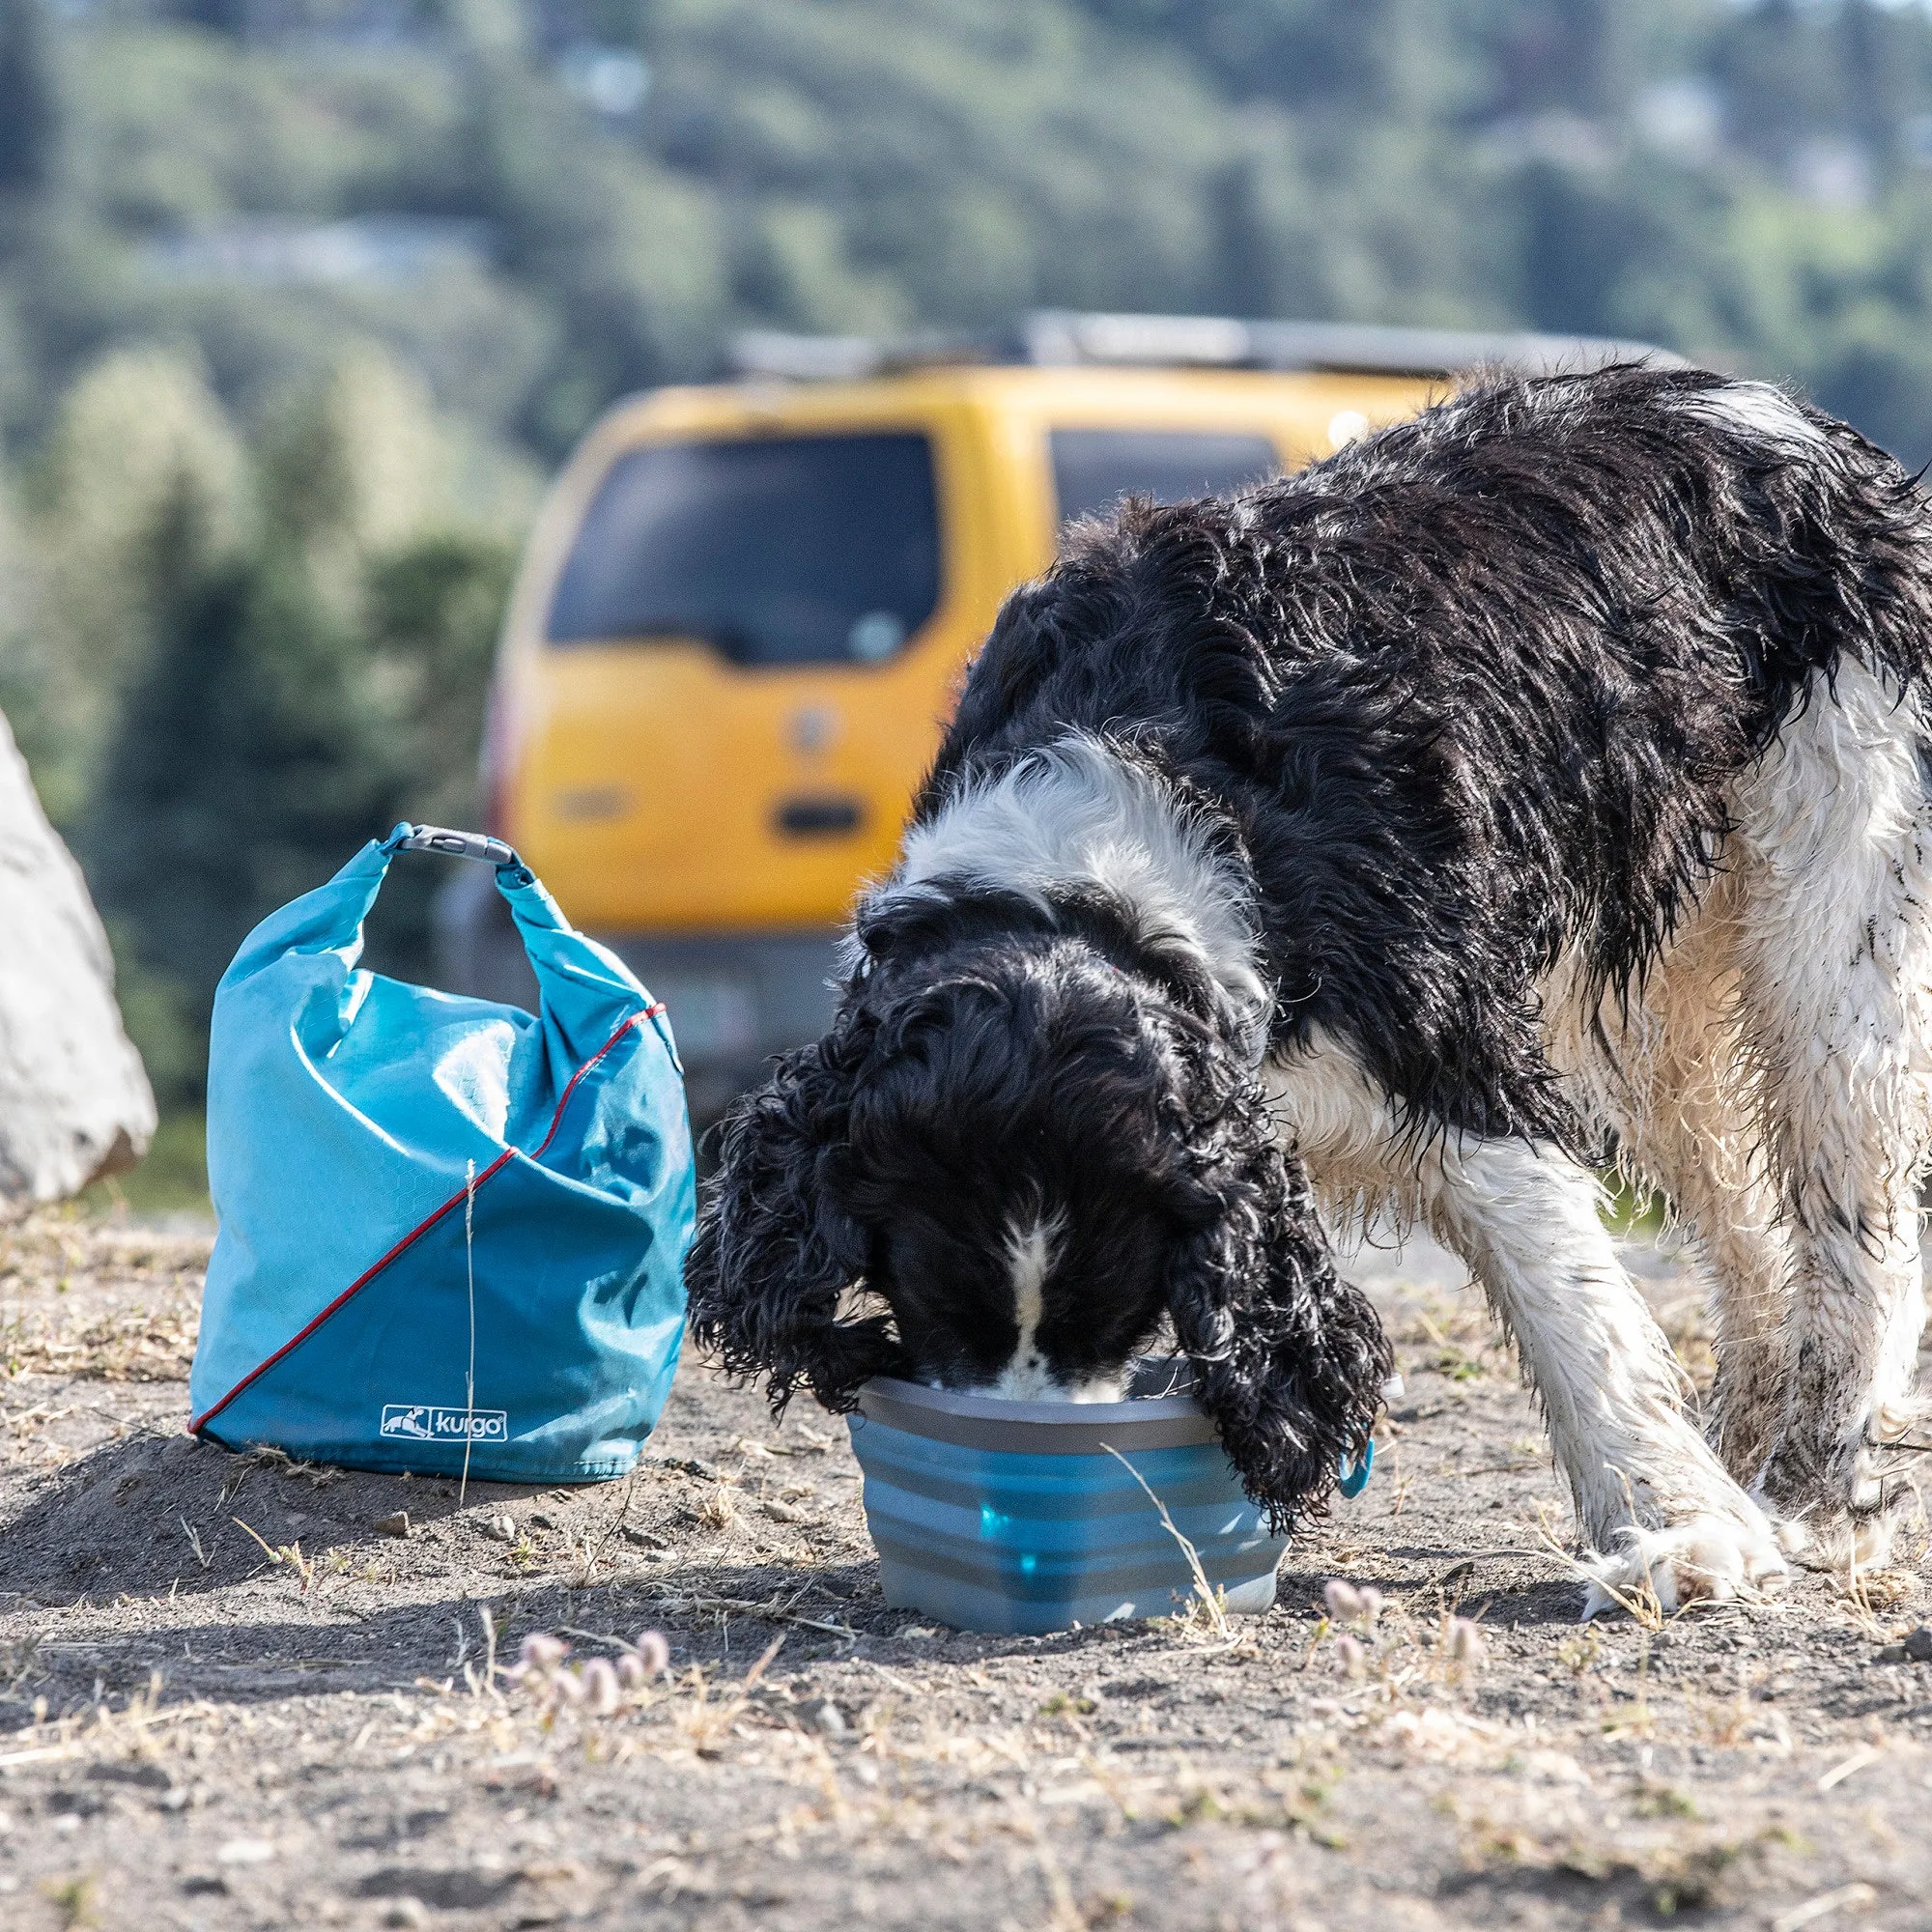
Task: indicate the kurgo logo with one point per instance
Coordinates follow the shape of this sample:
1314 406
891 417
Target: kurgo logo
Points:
424 1422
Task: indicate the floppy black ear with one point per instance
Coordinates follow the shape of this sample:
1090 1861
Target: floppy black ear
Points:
1288 1359
774 1250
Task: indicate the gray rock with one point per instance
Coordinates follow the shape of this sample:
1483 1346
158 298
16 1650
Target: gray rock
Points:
74 1101
1917 1648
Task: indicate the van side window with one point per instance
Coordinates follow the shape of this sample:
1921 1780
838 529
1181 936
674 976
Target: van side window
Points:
776 551
1094 469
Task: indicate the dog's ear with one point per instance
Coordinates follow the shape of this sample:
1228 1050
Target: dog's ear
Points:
775 1249
1288 1359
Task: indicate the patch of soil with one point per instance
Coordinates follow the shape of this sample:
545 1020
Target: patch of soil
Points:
232 1696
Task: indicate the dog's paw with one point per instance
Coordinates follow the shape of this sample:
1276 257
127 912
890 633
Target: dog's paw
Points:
1714 1558
1833 1539
1837 1505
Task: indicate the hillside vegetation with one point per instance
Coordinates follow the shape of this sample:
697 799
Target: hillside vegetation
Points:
300 298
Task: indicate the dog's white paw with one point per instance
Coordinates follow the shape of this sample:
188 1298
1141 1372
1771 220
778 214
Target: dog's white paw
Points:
1834 1540
1712 1558
1837 1506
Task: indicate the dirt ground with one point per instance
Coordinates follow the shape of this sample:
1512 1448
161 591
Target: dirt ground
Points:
228 1699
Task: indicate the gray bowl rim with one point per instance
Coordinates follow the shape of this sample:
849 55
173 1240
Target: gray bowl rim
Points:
1035 1428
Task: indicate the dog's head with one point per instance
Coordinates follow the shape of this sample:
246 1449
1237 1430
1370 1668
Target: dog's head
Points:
1000 1169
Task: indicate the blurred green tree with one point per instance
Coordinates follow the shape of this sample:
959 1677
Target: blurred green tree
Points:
309 672
254 753
29 103
431 616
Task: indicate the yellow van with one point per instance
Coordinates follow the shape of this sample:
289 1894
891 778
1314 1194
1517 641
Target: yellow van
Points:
745 610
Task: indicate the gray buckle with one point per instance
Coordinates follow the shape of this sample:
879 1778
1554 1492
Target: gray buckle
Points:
459 846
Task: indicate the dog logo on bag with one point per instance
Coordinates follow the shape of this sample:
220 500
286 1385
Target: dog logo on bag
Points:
425 1422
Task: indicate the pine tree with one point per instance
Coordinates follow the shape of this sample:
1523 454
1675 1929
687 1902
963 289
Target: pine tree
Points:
431 616
253 758
29 108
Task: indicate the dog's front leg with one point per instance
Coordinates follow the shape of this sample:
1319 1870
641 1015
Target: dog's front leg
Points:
1653 1502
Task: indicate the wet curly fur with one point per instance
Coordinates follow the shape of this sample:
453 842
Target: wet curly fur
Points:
1006 1064
1315 792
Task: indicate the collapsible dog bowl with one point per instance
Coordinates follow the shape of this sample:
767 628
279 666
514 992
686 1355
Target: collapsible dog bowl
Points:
1013 1516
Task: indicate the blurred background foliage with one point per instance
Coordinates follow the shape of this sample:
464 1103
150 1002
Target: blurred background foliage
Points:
299 299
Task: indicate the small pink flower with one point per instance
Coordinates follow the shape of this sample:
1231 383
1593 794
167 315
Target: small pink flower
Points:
1344 1601
653 1653
601 1694
1352 1655
542 1652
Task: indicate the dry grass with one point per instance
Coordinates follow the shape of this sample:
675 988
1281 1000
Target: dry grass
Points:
281 1464
135 1344
73 1900
720 1509
1207 1613
283 1554
1458 1338
55 1319
1075 1783
1653 1842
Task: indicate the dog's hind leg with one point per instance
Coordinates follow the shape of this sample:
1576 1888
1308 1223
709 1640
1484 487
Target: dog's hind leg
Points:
1723 1202
1835 926
1665 1066
1651 1496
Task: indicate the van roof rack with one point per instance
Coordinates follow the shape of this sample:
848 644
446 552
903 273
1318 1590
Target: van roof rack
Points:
1063 338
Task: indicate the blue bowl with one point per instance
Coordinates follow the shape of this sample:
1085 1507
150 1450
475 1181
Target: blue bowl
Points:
1013 1516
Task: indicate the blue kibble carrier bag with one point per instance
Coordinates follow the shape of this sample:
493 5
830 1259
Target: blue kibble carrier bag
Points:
452 1232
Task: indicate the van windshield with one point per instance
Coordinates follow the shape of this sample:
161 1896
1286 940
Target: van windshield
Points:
776 551
1094 469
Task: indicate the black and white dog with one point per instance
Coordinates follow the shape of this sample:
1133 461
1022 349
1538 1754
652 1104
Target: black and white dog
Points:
1538 781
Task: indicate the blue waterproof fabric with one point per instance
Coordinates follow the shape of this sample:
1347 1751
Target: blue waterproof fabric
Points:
402 1175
